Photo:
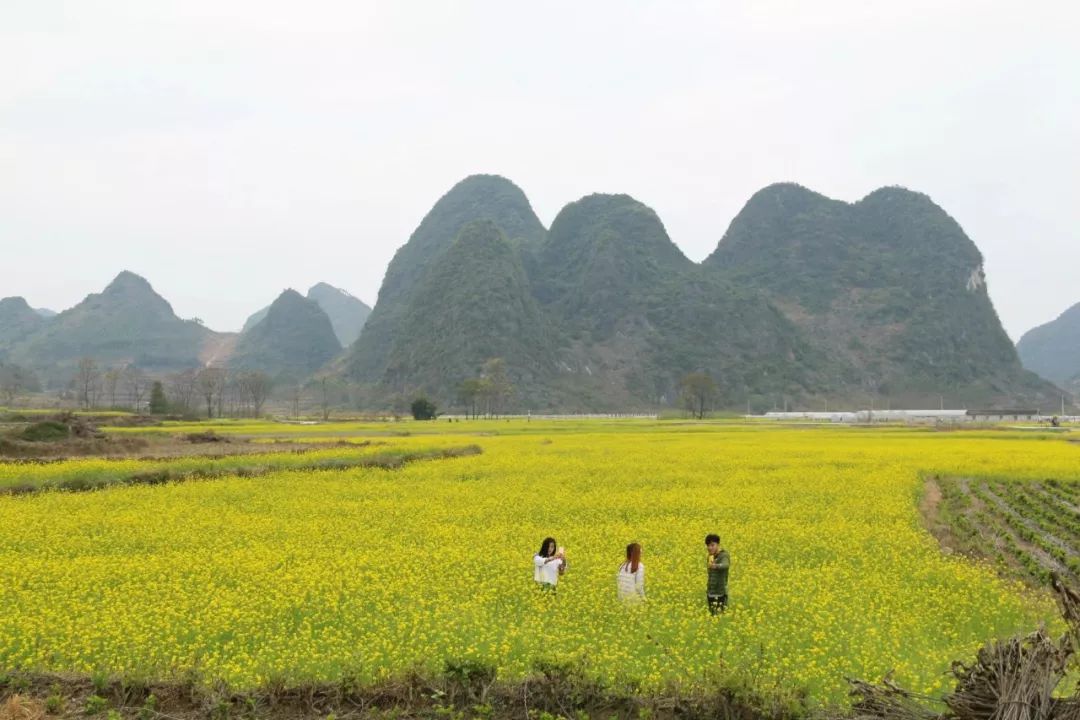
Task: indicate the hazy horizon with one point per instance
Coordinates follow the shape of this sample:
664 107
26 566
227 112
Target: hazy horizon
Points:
228 150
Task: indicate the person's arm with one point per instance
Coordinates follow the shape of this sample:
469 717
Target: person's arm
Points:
639 580
723 560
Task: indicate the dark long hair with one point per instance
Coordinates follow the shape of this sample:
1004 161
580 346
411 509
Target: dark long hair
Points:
633 556
544 546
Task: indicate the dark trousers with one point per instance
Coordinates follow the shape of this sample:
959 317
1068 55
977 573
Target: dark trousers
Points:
717 603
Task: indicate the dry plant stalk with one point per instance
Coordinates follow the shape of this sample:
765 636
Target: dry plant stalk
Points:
1012 679
18 707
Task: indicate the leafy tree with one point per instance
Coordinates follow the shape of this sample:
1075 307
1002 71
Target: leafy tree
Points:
495 385
158 404
698 392
423 409
468 393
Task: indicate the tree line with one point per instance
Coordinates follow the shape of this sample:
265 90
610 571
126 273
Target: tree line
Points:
213 391
219 391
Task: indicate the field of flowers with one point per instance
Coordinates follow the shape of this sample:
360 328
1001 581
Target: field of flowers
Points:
365 573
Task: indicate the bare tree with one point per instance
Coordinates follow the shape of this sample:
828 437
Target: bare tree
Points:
296 393
15 380
325 397
254 386
111 383
210 382
182 388
223 388
10 385
87 378
137 385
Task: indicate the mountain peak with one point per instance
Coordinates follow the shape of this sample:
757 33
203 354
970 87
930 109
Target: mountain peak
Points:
128 322
287 296
292 341
890 285
128 281
898 194
15 303
17 319
477 197
326 288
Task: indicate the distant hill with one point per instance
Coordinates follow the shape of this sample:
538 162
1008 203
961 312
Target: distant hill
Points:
1053 350
126 323
347 314
889 290
478 197
45 312
294 340
17 321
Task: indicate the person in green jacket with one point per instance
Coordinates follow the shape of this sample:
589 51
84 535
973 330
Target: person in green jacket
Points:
718 564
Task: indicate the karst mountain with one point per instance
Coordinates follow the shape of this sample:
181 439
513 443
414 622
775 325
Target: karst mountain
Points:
1053 350
805 301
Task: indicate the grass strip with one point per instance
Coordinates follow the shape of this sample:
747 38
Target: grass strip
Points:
387 460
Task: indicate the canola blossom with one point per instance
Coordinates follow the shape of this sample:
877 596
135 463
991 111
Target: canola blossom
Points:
365 573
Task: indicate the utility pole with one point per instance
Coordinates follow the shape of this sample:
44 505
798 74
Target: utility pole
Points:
942 398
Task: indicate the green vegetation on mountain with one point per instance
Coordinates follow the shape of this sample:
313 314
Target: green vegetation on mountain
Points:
347 314
478 197
639 315
473 305
294 340
889 290
805 300
603 258
1053 350
17 321
127 323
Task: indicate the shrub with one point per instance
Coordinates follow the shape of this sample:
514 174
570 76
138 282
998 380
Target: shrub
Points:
95 704
423 409
46 431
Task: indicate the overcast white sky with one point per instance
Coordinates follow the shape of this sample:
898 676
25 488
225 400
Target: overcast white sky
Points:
227 149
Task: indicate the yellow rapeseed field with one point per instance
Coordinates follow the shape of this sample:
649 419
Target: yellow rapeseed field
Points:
365 573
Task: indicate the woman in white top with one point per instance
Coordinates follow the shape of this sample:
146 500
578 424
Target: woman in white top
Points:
548 565
630 581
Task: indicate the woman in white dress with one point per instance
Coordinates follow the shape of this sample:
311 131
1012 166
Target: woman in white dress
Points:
548 565
630 580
